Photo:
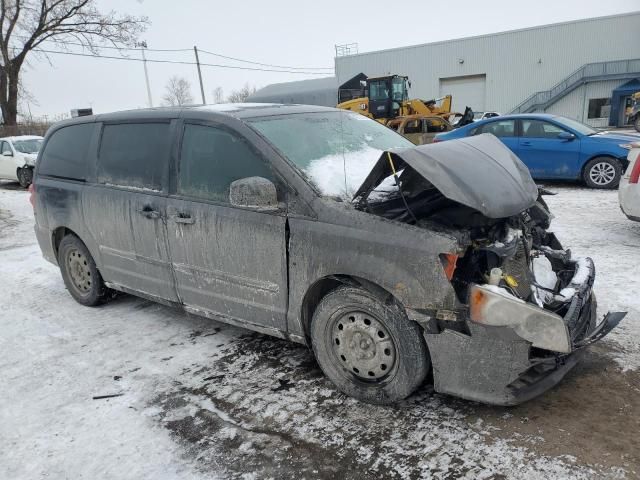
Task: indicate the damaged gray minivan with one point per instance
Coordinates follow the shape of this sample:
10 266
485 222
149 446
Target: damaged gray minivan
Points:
327 228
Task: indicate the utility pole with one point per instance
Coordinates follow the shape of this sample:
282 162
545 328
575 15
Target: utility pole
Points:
142 46
195 49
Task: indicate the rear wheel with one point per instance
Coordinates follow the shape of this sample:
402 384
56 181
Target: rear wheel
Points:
79 272
25 176
367 348
602 172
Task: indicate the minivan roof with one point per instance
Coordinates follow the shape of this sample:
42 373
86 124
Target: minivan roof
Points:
237 110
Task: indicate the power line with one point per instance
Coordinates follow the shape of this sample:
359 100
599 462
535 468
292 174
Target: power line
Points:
177 62
263 64
137 49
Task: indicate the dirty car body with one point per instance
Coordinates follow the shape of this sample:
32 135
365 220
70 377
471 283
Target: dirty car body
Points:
307 222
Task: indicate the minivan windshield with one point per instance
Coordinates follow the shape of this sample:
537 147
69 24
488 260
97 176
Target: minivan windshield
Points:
28 146
335 151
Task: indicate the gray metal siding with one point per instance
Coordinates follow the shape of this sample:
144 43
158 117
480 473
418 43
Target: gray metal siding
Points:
516 64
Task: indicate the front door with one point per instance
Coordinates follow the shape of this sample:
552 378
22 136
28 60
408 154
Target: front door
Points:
126 209
228 261
545 153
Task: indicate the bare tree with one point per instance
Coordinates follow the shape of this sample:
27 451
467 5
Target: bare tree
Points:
239 96
25 24
218 95
178 92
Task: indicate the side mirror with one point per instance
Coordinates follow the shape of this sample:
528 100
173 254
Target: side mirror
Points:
254 192
566 136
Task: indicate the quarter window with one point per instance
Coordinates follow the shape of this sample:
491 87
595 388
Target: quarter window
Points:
503 128
134 155
65 154
540 129
211 159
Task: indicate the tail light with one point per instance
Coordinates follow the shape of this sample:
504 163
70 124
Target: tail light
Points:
449 261
32 195
635 173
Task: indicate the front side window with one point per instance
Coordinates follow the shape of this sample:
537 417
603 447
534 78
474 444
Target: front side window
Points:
212 158
6 148
65 154
335 151
134 155
503 128
540 129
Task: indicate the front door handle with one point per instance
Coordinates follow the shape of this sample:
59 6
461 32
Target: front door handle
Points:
184 218
526 144
149 212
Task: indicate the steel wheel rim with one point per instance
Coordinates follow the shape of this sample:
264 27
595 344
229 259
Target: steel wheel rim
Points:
602 173
363 346
79 271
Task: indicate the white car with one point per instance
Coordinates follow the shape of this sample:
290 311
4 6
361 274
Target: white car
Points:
18 157
629 190
477 116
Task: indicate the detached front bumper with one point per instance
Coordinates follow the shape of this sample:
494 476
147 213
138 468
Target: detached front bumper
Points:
494 365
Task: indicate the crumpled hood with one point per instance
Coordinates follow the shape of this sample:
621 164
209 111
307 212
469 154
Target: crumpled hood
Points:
29 158
479 172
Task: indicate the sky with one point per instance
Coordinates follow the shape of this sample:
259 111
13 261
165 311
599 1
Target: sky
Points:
279 32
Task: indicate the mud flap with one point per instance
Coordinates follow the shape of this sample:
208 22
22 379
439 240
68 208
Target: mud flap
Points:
610 321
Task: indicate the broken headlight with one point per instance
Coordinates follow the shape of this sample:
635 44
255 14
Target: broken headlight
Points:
494 306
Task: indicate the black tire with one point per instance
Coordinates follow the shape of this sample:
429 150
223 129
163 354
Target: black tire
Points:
25 176
372 333
79 272
636 123
602 172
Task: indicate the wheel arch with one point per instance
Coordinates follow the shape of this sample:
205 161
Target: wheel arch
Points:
58 234
583 167
321 287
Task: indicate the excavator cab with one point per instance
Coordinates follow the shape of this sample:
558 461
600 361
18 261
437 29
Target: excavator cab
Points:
387 95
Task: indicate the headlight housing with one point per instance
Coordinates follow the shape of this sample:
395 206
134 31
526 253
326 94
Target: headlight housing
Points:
493 306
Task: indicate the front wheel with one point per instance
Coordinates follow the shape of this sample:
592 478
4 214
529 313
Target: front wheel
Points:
368 349
25 176
602 172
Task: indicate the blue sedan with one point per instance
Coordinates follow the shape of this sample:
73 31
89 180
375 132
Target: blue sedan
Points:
557 148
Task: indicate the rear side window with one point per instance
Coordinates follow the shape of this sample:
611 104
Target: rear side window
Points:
134 155
65 154
212 158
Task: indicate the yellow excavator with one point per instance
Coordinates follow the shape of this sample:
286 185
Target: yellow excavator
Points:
386 98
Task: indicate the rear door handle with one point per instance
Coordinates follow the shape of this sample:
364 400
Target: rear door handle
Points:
149 212
184 218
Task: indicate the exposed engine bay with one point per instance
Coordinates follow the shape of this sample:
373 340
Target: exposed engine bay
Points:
506 253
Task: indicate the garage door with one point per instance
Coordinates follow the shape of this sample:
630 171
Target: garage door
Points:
466 91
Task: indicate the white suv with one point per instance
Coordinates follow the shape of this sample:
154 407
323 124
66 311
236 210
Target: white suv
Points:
18 157
629 191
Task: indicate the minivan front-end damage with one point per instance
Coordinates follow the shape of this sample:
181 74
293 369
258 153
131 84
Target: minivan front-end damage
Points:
525 309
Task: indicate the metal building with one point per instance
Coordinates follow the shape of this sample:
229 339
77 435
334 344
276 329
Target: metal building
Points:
584 69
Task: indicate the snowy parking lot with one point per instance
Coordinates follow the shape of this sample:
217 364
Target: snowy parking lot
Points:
135 390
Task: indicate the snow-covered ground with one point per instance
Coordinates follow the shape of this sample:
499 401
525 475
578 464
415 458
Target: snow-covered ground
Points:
199 399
